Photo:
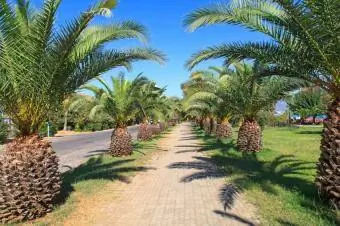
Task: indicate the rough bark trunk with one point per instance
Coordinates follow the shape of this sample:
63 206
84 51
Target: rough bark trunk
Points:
121 142
224 130
162 126
29 179
202 123
206 125
144 132
328 168
211 128
249 137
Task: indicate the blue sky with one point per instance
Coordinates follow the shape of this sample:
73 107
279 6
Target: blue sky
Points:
164 21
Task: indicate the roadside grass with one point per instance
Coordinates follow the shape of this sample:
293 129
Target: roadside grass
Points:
91 178
280 179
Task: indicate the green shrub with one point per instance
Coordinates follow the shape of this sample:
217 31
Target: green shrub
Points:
43 130
92 126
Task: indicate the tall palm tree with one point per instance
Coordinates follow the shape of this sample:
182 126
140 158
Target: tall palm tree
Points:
40 64
242 94
304 44
120 101
205 97
169 109
200 98
247 95
150 102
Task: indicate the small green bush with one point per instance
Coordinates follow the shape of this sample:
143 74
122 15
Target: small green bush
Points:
93 126
43 130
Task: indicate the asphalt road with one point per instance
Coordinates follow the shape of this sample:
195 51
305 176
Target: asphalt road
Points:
76 149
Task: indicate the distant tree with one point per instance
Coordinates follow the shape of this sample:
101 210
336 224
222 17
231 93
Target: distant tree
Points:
309 102
118 100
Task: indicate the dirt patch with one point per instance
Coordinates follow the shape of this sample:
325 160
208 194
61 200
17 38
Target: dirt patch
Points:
63 133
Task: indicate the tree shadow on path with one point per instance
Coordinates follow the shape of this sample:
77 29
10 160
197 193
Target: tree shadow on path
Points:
102 167
234 217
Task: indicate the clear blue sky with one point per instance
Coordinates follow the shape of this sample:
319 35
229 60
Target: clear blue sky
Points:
164 21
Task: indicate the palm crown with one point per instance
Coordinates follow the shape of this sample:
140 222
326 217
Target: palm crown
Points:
119 100
40 64
247 93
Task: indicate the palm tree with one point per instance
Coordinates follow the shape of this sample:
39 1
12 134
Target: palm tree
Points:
40 64
149 98
204 98
248 95
309 102
242 94
200 98
304 44
169 109
120 101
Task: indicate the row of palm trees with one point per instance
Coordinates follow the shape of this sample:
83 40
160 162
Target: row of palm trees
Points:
124 101
304 44
238 93
42 64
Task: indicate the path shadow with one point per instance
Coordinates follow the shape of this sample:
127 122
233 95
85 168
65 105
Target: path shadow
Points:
97 168
96 153
189 148
234 217
187 138
285 223
228 195
310 132
186 151
207 169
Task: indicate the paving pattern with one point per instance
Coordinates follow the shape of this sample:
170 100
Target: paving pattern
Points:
184 189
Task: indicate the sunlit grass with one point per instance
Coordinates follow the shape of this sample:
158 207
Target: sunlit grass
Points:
280 179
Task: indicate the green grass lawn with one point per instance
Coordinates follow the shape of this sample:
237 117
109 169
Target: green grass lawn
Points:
278 180
92 176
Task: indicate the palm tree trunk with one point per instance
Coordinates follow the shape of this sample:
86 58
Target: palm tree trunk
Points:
328 168
211 128
202 123
121 142
249 136
206 125
28 192
144 132
224 130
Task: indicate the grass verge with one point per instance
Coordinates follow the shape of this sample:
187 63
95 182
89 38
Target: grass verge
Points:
279 179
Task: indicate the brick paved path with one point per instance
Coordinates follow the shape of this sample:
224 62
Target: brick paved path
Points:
184 189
